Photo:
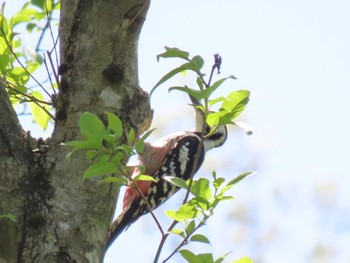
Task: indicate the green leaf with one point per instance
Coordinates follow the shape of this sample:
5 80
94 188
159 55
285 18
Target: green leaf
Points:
146 135
91 127
236 102
200 83
200 189
90 154
185 212
172 73
30 27
32 66
131 137
82 144
244 260
140 143
115 125
100 168
218 182
26 15
214 101
231 183
189 256
9 216
222 258
190 227
117 158
19 75
43 4
213 119
200 238
179 232
39 114
117 180
208 91
239 177
176 181
4 61
143 177
200 258
139 146
173 53
195 93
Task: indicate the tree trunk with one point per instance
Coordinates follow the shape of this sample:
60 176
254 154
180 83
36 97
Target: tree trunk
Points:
60 218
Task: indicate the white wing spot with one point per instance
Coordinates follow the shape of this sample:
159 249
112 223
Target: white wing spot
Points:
183 159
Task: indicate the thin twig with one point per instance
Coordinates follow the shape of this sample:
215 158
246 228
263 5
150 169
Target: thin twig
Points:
54 72
32 98
20 63
148 206
48 72
53 49
185 240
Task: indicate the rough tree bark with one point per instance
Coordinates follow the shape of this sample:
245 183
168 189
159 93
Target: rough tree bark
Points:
60 218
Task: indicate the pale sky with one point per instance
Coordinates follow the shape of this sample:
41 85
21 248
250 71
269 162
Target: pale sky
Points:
294 57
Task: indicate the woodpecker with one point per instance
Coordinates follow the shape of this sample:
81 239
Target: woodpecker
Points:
173 155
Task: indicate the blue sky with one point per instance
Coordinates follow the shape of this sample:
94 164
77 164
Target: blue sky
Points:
294 57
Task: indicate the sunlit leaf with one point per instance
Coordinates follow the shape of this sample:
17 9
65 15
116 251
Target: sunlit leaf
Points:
214 101
244 260
143 177
33 66
236 102
200 189
218 182
222 258
185 212
26 15
4 61
40 116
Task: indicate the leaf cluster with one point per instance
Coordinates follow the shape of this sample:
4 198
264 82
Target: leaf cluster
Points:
103 145
230 106
36 15
194 213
